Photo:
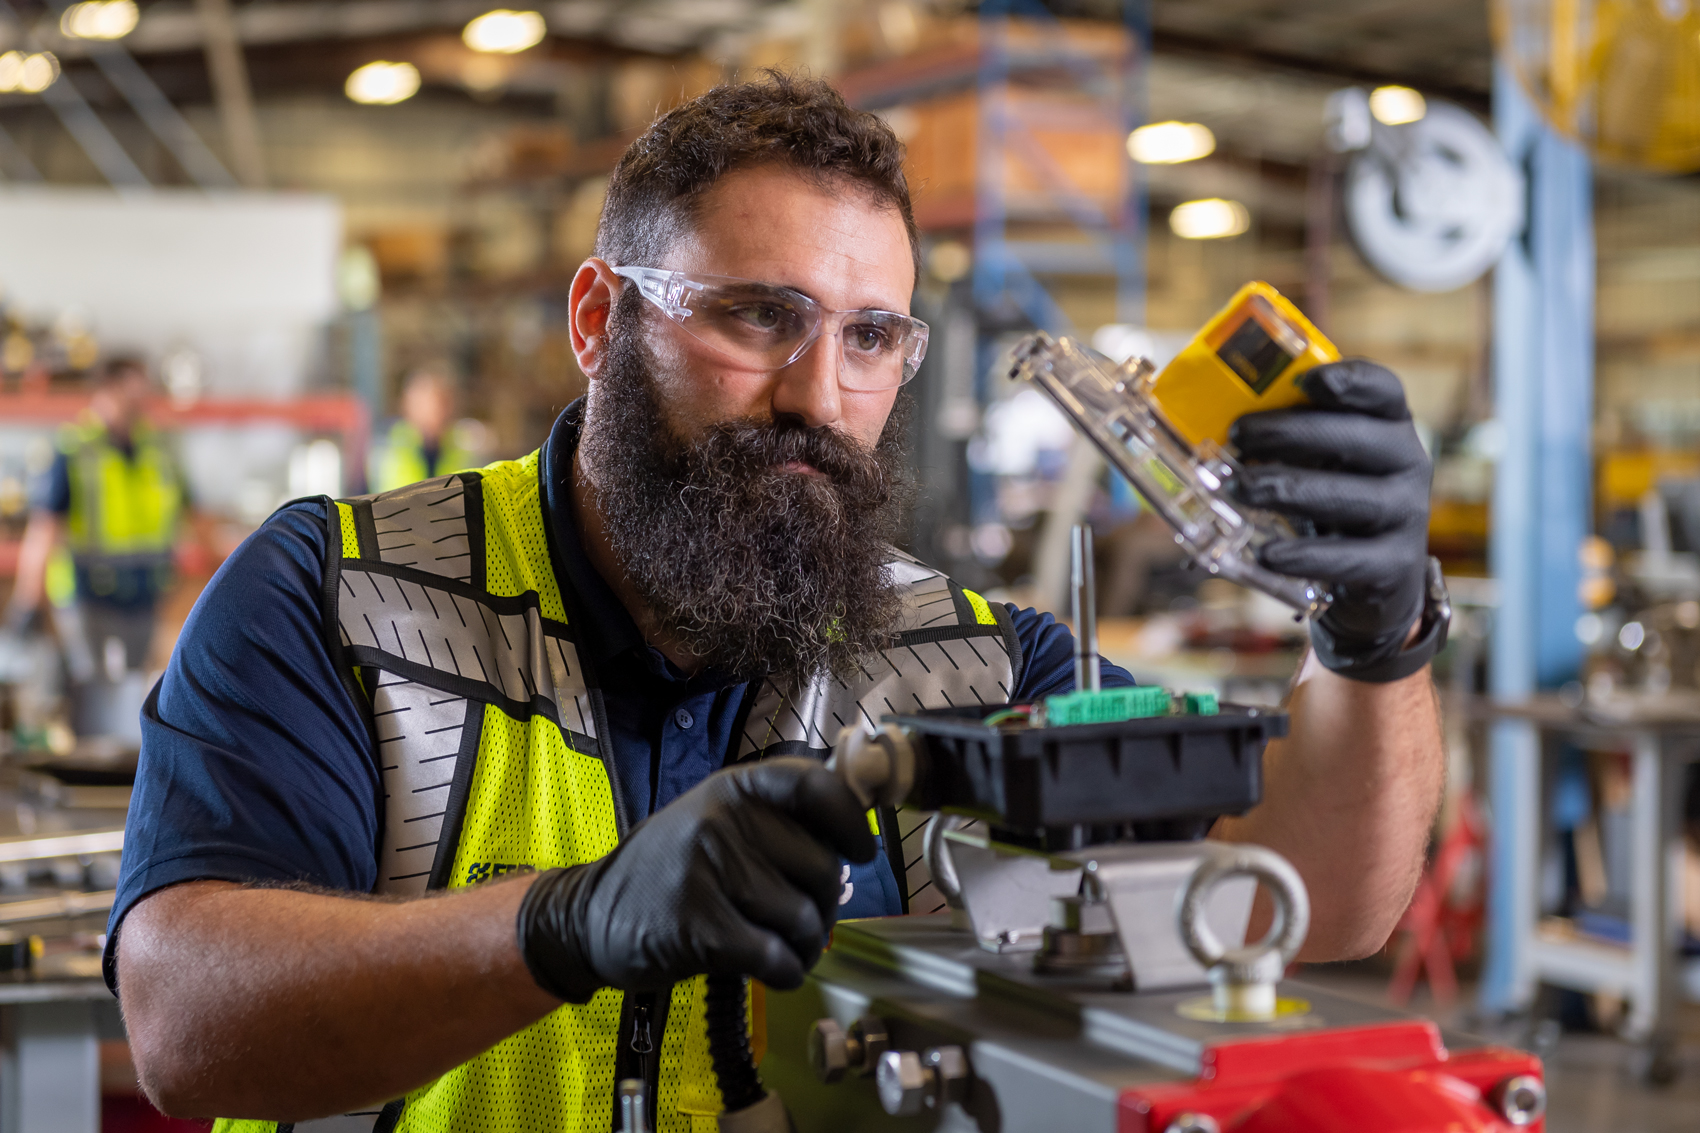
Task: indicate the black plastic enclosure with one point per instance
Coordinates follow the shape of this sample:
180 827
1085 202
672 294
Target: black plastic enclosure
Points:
1033 779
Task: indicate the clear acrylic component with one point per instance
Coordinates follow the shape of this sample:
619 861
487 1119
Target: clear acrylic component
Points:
1188 486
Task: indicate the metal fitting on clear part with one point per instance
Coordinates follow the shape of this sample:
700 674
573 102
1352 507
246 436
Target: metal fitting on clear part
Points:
1521 1100
879 768
1243 979
911 1083
835 1052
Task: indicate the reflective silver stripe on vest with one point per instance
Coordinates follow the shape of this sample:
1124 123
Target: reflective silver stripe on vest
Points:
436 644
420 735
435 648
942 658
917 880
503 645
424 526
930 667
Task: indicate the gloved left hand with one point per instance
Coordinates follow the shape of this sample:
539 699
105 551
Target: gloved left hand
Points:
740 875
1351 464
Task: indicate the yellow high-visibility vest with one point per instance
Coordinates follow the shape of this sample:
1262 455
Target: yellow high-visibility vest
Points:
124 510
460 644
400 460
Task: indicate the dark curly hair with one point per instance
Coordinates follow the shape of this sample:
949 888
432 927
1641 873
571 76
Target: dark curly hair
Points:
803 123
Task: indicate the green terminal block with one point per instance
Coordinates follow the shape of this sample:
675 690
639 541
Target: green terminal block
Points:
1108 705
1200 704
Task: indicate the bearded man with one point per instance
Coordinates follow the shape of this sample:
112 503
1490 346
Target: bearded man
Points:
584 695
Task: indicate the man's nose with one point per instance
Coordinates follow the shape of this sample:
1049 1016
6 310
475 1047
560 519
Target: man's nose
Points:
807 389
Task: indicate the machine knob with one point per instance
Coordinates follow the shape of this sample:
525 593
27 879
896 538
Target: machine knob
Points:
828 1050
903 1083
833 1052
949 1067
910 1083
872 1041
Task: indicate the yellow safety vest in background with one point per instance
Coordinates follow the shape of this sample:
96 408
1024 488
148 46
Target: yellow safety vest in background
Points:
124 510
462 636
400 460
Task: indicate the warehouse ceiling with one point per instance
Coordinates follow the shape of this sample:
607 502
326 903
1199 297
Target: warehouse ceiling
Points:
1255 71
1441 45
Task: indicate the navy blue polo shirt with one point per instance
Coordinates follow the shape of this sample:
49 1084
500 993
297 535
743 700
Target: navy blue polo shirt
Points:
257 764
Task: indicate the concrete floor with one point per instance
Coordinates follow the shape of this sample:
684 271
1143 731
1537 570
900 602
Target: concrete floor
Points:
1592 1085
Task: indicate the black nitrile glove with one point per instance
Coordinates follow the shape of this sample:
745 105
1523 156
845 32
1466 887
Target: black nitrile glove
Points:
738 876
1351 464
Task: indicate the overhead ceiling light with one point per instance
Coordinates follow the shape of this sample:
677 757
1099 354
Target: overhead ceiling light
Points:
1210 219
1169 143
1396 106
383 83
27 74
504 31
100 19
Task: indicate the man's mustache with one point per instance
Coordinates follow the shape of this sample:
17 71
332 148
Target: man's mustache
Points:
754 447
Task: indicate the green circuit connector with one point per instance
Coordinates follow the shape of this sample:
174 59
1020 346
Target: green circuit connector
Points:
1107 705
1200 704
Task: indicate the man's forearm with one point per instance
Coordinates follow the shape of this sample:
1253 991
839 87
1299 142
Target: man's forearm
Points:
1349 798
285 1005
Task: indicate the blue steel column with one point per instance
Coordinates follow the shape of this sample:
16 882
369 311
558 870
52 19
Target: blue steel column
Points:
1007 274
1543 370
1130 250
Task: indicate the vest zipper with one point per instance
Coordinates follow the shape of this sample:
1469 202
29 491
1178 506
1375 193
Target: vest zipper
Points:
638 1052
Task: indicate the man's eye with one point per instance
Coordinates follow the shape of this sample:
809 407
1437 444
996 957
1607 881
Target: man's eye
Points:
869 339
759 315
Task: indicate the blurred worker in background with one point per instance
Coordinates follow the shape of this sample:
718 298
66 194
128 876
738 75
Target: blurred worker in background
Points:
113 496
427 441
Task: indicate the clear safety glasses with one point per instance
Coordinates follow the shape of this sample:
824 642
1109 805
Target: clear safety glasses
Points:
767 328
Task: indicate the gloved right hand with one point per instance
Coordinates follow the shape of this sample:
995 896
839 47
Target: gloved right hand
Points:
738 876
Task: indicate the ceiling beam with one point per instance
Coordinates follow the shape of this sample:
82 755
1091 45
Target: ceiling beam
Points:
1205 47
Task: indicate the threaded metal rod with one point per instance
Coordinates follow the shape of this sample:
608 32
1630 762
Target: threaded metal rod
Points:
1085 592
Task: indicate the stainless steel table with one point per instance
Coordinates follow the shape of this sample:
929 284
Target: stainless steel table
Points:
50 1049
1663 738
49 1045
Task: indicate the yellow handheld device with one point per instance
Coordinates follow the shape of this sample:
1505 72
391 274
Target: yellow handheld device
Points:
1246 359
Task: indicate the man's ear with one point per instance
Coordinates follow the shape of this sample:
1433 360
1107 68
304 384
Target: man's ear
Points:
589 304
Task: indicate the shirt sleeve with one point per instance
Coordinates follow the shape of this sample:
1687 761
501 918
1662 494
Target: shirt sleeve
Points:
50 490
1047 649
257 764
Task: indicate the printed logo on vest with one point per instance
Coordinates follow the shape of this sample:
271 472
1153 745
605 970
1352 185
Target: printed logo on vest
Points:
479 872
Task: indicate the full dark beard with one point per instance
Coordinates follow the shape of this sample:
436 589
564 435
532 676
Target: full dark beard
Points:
755 570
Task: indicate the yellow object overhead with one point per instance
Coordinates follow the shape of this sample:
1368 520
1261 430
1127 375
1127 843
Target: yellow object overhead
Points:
1622 77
